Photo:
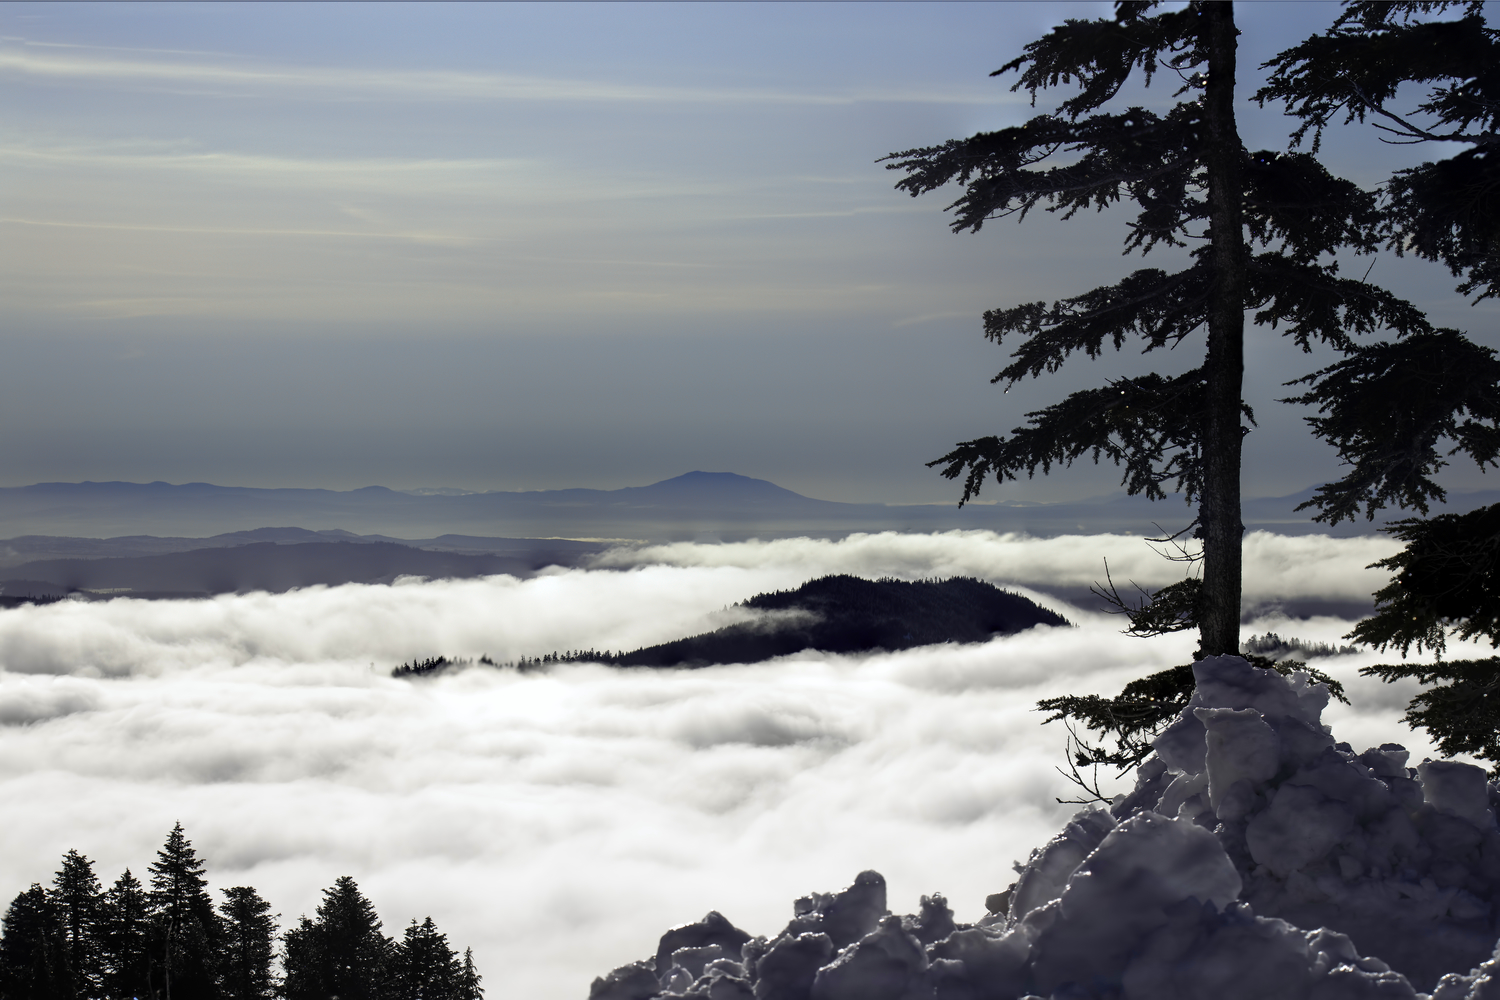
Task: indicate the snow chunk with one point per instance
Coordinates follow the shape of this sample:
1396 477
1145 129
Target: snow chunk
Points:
1120 894
1239 747
1457 789
844 916
1405 862
712 930
1301 826
886 964
1052 866
1254 858
629 982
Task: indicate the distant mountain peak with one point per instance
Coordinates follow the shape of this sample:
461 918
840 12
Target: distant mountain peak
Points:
717 486
700 477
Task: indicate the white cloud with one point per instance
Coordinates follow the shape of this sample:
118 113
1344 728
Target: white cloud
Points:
1276 566
558 822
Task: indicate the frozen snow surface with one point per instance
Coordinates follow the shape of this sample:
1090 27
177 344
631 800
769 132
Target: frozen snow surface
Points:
1255 858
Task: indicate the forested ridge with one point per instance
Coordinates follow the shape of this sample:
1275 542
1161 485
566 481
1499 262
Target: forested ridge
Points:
847 614
75 940
833 614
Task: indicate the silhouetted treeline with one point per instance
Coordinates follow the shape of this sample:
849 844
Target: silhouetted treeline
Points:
1275 647
75 940
437 664
16 600
834 614
432 665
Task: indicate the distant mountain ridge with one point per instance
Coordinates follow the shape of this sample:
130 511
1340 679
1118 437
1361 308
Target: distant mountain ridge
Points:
15 552
689 488
697 505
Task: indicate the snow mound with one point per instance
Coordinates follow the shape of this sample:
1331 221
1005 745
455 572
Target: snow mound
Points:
1254 858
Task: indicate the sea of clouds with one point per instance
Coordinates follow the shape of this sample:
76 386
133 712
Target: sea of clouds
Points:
557 822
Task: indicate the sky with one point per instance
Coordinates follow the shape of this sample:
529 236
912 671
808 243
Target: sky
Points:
540 246
558 822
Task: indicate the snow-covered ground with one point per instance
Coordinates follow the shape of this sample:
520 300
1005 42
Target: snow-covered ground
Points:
559 822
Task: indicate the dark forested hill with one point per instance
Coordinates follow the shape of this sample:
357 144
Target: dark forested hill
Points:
845 614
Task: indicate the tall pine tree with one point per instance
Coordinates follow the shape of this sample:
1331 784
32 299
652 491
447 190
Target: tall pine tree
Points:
469 978
74 942
1406 404
424 967
125 940
76 899
342 953
33 959
249 947
1261 230
186 932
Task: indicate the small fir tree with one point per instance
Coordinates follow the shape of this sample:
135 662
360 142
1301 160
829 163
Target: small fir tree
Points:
74 942
301 966
342 953
125 940
186 932
469 980
76 898
249 947
33 959
425 967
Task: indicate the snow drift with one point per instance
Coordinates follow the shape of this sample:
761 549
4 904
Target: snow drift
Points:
1255 857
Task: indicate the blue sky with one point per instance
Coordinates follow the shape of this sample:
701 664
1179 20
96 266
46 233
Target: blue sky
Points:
534 246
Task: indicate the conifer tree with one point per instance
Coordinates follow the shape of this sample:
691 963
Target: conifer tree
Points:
342 953
1260 227
124 940
76 901
425 968
1392 403
186 931
469 979
1261 230
301 967
33 961
249 945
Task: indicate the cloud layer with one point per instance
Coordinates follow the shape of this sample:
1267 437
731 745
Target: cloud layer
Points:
557 822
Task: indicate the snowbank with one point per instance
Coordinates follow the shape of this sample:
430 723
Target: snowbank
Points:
1255 858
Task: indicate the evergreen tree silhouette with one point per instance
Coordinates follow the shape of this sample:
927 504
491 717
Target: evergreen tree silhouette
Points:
469 979
125 940
425 967
186 931
76 899
1260 225
301 967
33 962
249 945
340 954
1396 405
1262 229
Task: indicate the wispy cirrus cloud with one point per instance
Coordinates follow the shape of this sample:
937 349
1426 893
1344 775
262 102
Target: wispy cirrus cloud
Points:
77 63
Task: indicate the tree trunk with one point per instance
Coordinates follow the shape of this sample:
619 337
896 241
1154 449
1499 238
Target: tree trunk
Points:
1219 509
